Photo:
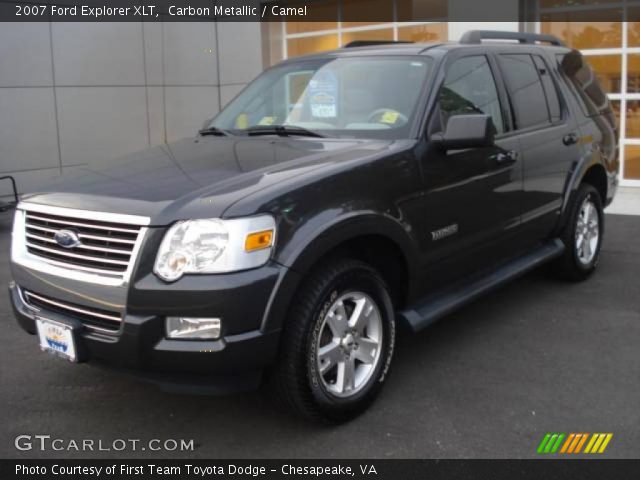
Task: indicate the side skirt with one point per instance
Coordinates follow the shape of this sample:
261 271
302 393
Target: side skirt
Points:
436 305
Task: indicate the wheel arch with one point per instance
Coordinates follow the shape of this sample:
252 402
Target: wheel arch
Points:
590 170
381 241
596 176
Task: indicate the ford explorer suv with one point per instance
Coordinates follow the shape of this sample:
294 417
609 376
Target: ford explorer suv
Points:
337 198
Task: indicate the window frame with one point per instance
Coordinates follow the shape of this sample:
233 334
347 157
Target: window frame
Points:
554 86
450 59
539 126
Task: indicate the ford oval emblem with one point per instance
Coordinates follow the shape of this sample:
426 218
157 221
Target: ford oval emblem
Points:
67 238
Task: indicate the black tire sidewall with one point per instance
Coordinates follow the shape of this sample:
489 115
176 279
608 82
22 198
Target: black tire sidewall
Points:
365 280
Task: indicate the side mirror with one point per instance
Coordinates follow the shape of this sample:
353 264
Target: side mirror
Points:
465 131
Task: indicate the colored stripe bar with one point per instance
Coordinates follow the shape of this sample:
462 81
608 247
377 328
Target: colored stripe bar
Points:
543 443
551 443
599 440
581 443
574 443
594 437
555 447
607 439
568 442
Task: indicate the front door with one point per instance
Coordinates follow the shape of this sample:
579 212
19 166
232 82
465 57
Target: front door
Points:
472 196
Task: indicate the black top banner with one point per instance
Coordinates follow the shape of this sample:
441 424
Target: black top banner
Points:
321 469
314 11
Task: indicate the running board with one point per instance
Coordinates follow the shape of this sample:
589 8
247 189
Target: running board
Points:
437 305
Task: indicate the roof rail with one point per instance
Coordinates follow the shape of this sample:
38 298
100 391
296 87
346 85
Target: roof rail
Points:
476 36
368 43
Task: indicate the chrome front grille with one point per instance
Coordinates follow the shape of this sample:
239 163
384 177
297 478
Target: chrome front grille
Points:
104 321
106 243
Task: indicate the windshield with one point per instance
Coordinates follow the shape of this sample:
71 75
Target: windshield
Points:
335 97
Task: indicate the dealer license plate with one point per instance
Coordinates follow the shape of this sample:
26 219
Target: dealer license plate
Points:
56 338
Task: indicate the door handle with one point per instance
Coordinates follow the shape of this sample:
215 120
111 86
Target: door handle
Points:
570 139
509 157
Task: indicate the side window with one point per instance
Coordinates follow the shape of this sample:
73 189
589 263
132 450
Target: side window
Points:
525 89
591 96
550 91
469 87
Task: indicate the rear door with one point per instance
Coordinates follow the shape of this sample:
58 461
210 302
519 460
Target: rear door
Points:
471 201
548 136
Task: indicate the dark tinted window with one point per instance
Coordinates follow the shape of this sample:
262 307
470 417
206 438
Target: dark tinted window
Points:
525 89
592 98
550 90
469 87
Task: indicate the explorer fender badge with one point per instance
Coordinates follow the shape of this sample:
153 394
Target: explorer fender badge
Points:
444 232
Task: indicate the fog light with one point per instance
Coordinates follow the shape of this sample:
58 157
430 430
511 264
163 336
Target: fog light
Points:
187 327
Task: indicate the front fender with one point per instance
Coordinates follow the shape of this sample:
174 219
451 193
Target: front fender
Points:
312 241
317 238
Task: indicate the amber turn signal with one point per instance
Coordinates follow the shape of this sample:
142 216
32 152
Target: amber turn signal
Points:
258 240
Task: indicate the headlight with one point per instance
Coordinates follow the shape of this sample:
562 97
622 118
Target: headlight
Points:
215 246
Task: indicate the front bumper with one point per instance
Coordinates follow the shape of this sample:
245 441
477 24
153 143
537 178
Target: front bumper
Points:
232 363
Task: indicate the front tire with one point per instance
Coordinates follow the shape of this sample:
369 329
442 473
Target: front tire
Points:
582 236
337 343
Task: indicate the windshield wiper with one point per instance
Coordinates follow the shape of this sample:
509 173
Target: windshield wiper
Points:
282 131
215 131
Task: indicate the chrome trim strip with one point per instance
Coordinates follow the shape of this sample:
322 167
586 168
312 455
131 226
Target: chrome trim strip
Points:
63 270
65 306
103 239
85 214
82 245
79 224
101 330
44 229
24 300
75 255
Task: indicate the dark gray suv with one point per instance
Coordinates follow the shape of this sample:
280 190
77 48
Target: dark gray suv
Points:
337 196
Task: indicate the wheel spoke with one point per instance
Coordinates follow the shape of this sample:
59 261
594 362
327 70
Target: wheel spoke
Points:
367 349
587 247
361 312
593 215
349 374
587 212
337 320
346 375
329 356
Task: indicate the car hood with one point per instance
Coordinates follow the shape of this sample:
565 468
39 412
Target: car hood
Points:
197 177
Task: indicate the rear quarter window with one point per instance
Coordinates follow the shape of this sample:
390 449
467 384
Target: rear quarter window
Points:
584 82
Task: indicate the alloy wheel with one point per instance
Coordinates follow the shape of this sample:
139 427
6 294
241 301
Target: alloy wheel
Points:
349 344
587 232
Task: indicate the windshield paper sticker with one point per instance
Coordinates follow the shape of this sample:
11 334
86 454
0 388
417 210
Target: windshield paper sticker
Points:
323 95
267 121
389 117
